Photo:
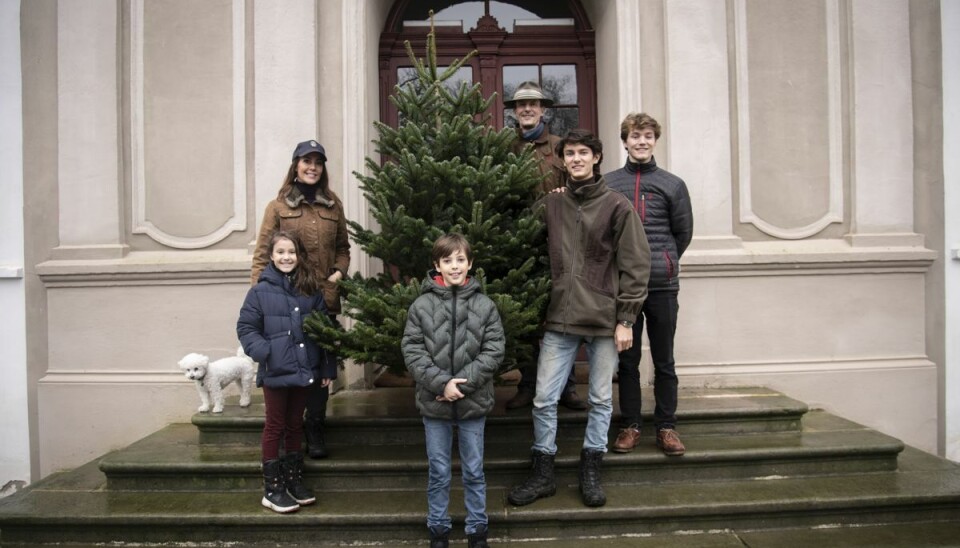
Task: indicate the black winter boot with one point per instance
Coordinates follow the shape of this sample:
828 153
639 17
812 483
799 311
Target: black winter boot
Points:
439 538
293 479
540 484
275 496
316 444
478 539
590 489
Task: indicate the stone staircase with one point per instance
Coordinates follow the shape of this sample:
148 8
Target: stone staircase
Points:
761 470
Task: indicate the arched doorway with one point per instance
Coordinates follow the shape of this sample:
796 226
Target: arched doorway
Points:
547 41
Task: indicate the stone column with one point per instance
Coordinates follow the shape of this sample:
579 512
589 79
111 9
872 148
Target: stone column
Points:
950 32
14 409
882 125
285 89
88 57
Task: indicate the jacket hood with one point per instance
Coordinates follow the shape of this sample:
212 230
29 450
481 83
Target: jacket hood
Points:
273 276
429 285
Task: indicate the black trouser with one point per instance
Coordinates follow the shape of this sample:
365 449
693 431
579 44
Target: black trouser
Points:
528 375
660 311
317 397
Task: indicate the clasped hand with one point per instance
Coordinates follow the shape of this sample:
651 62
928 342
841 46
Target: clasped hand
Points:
451 392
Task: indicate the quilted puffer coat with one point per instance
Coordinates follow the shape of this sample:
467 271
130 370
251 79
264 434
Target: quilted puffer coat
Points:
270 328
663 203
453 332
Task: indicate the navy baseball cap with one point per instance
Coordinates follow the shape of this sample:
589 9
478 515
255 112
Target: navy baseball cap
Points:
307 147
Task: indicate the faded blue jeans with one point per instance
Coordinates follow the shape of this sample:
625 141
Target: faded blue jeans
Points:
439 445
557 354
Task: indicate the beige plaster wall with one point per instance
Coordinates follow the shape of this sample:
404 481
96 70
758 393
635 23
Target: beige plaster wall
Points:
113 374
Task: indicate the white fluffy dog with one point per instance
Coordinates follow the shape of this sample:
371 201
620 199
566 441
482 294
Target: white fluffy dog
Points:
212 378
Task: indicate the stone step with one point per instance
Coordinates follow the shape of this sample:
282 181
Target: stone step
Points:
389 416
77 507
172 459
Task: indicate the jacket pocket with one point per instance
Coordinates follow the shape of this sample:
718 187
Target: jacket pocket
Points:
331 296
282 360
668 261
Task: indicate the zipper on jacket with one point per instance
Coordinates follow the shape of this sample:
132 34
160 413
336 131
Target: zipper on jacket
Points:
639 199
453 339
576 252
666 258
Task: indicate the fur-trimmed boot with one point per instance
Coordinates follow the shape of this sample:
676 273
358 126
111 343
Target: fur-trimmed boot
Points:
540 484
293 479
316 444
275 496
590 489
478 539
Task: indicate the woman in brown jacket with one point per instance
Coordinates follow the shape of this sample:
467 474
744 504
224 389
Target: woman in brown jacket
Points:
307 207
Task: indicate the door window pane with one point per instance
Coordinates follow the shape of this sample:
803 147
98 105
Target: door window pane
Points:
514 75
408 75
560 82
562 120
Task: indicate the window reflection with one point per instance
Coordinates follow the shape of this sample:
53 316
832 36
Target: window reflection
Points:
560 82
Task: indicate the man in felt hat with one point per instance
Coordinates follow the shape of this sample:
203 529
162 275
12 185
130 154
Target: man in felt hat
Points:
528 104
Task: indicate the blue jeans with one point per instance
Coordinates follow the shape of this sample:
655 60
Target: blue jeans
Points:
439 443
557 355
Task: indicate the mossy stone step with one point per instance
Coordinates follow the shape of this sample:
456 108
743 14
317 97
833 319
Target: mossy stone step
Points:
76 508
389 416
172 459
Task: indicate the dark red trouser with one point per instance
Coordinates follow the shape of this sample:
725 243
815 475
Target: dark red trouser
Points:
283 420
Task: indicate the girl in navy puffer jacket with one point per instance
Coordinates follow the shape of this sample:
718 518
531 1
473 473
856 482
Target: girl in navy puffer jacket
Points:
271 332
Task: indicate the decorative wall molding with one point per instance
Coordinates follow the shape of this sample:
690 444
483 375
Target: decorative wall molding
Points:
238 221
873 363
834 213
150 268
88 376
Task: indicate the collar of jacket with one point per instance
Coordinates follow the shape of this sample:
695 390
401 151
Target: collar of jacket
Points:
633 167
543 138
588 190
429 285
295 198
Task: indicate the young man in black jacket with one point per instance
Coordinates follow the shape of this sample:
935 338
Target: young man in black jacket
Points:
663 203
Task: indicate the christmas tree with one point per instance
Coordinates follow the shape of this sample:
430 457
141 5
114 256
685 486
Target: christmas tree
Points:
446 169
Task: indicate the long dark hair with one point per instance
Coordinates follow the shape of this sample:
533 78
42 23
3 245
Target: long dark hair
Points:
303 277
322 185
